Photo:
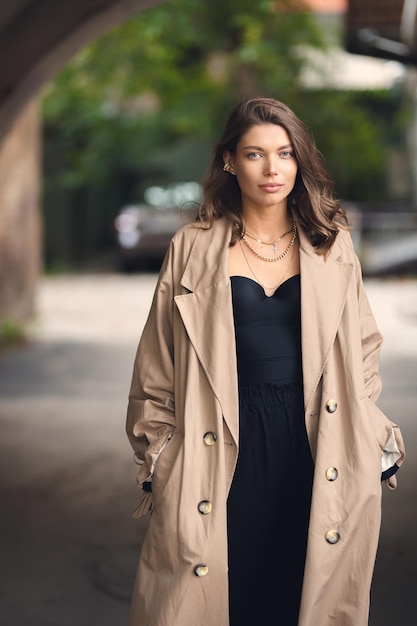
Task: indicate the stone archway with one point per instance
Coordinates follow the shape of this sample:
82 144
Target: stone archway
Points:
37 39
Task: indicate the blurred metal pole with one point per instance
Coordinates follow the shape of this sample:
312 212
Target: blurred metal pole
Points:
408 34
408 26
411 86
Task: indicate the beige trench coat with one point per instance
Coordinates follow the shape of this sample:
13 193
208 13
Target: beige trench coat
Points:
183 425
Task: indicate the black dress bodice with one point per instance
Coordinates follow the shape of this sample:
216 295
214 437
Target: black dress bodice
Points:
268 332
267 540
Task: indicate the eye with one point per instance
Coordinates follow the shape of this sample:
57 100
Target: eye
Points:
286 154
253 155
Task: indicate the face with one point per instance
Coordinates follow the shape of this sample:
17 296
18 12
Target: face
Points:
265 167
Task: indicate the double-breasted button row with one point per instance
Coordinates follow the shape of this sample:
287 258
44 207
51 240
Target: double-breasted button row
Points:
331 405
210 438
201 569
332 536
205 506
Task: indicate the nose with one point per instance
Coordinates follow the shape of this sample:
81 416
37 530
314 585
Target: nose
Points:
271 166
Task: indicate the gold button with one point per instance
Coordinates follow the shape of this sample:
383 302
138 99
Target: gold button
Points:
332 536
210 438
331 405
201 569
205 507
332 473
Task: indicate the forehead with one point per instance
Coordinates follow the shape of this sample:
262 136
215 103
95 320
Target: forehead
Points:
265 135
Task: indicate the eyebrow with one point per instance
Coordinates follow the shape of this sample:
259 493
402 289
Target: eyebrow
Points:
288 145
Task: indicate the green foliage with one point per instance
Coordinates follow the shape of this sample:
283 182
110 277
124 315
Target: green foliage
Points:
143 104
355 131
170 73
11 333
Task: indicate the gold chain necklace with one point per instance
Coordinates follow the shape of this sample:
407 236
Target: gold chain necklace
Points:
280 256
267 243
264 287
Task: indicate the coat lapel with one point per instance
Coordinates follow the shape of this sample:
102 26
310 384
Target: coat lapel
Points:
324 286
207 313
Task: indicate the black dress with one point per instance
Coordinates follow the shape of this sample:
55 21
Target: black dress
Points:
269 500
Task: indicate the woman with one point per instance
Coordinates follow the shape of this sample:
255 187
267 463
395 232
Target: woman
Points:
251 408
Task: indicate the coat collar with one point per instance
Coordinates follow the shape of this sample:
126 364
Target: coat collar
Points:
207 311
208 262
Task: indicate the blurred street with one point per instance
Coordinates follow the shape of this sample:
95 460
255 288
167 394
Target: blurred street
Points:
68 544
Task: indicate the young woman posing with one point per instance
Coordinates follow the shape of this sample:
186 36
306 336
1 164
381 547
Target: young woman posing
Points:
252 406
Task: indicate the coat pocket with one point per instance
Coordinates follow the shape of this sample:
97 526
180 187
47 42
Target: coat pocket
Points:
146 473
390 442
164 464
155 471
144 506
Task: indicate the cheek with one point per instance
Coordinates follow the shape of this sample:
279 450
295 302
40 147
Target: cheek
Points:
245 174
292 171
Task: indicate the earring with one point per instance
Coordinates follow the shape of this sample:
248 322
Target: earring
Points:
226 168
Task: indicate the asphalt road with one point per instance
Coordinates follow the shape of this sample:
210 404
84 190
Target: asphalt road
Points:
68 543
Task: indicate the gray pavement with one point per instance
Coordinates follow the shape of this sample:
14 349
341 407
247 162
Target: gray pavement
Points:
68 544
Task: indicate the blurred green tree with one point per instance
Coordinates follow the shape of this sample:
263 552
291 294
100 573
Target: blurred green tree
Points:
142 104
172 73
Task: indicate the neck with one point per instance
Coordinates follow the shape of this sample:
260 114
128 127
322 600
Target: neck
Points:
267 225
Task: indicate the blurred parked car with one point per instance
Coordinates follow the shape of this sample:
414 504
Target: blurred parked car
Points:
144 232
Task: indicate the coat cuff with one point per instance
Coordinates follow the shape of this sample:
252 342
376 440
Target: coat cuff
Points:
390 455
387 474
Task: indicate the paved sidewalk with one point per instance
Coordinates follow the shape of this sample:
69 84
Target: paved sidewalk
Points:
68 544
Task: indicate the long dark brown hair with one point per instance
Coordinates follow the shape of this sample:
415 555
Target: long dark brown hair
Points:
311 202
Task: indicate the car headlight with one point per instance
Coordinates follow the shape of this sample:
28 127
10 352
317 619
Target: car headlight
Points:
128 239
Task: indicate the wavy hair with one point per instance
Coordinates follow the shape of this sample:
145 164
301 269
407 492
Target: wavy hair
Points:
311 202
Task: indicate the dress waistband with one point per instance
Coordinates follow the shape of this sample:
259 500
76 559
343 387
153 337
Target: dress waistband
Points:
270 394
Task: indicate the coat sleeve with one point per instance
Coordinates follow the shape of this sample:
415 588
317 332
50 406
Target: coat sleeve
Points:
371 341
151 408
393 453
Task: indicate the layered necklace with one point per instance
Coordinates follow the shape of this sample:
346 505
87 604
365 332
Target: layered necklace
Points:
265 287
274 244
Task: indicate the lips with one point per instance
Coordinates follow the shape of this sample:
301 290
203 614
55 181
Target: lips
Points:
271 187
